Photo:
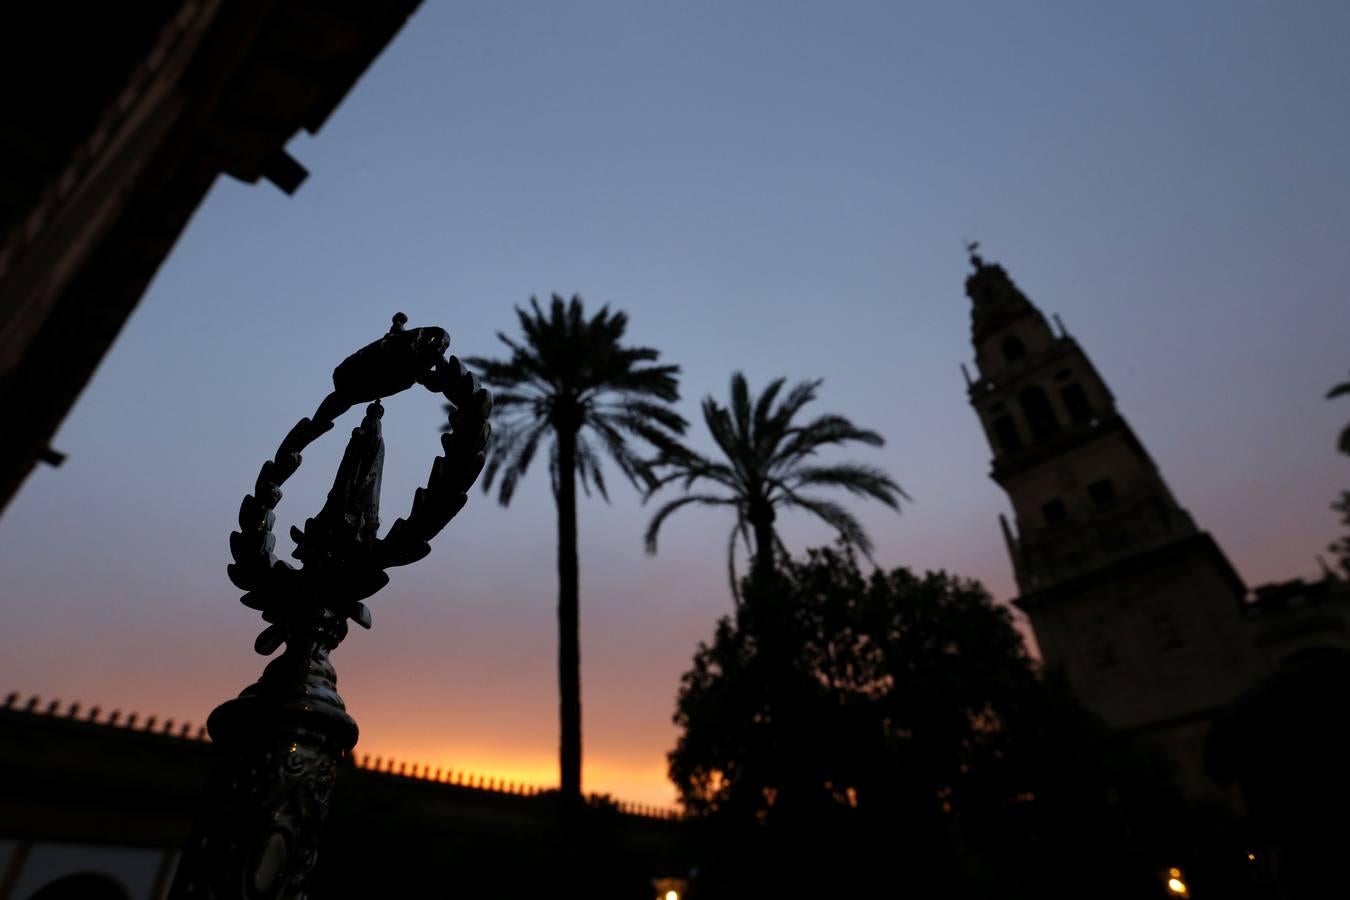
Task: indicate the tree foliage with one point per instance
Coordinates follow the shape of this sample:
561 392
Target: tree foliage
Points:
768 462
891 728
1341 547
568 374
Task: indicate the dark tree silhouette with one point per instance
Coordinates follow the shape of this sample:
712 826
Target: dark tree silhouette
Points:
1341 547
891 730
572 380
1342 505
767 464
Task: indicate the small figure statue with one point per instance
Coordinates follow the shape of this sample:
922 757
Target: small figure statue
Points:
975 259
351 515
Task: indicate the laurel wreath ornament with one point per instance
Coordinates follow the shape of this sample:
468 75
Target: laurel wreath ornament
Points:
343 561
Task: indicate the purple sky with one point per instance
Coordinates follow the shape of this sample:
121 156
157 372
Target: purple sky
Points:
777 187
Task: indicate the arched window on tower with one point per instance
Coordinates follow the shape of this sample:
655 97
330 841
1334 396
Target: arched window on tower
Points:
1076 402
1013 348
1102 491
1005 432
1036 407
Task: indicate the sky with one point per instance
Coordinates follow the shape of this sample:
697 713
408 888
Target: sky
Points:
781 188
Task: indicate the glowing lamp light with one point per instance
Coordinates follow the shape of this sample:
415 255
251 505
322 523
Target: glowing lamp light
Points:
1175 885
670 888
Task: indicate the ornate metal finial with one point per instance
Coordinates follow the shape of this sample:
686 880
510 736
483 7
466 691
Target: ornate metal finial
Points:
344 561
279 743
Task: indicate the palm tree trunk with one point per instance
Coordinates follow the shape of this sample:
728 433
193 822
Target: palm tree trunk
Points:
569 623
761 523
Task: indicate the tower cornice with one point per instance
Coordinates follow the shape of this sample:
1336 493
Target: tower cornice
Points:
1200 543
1010 465
1012 374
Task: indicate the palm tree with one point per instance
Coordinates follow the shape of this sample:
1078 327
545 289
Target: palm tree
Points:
571 379
768 465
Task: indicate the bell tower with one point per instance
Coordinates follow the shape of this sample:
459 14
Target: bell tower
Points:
1137 606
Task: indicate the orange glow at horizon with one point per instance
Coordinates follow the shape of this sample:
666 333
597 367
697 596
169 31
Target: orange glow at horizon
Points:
626 781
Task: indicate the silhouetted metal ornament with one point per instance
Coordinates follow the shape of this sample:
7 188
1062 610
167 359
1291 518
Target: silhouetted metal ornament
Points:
279 744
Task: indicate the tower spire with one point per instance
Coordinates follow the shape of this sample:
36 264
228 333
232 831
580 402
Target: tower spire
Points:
996 303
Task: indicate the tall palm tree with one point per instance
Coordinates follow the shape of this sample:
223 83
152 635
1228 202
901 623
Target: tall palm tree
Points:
767 465
572 380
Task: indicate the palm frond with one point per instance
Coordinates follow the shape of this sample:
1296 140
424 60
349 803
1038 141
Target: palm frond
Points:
568 370
623 376
800 395
636 469
764 406
1343 442
686 466
825 431
515 461
588 468
741 408
654 527
731 562
838 518
856 478
509 400
644 411
722 429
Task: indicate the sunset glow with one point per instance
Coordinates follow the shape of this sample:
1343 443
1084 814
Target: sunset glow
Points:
794 204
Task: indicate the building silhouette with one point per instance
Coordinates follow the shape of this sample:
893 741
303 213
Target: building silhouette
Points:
119 117
1131 600
97 803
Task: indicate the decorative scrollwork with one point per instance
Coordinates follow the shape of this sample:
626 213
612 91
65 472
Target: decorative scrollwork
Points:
343 560
261 840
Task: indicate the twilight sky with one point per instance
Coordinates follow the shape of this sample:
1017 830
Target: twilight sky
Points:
778 187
